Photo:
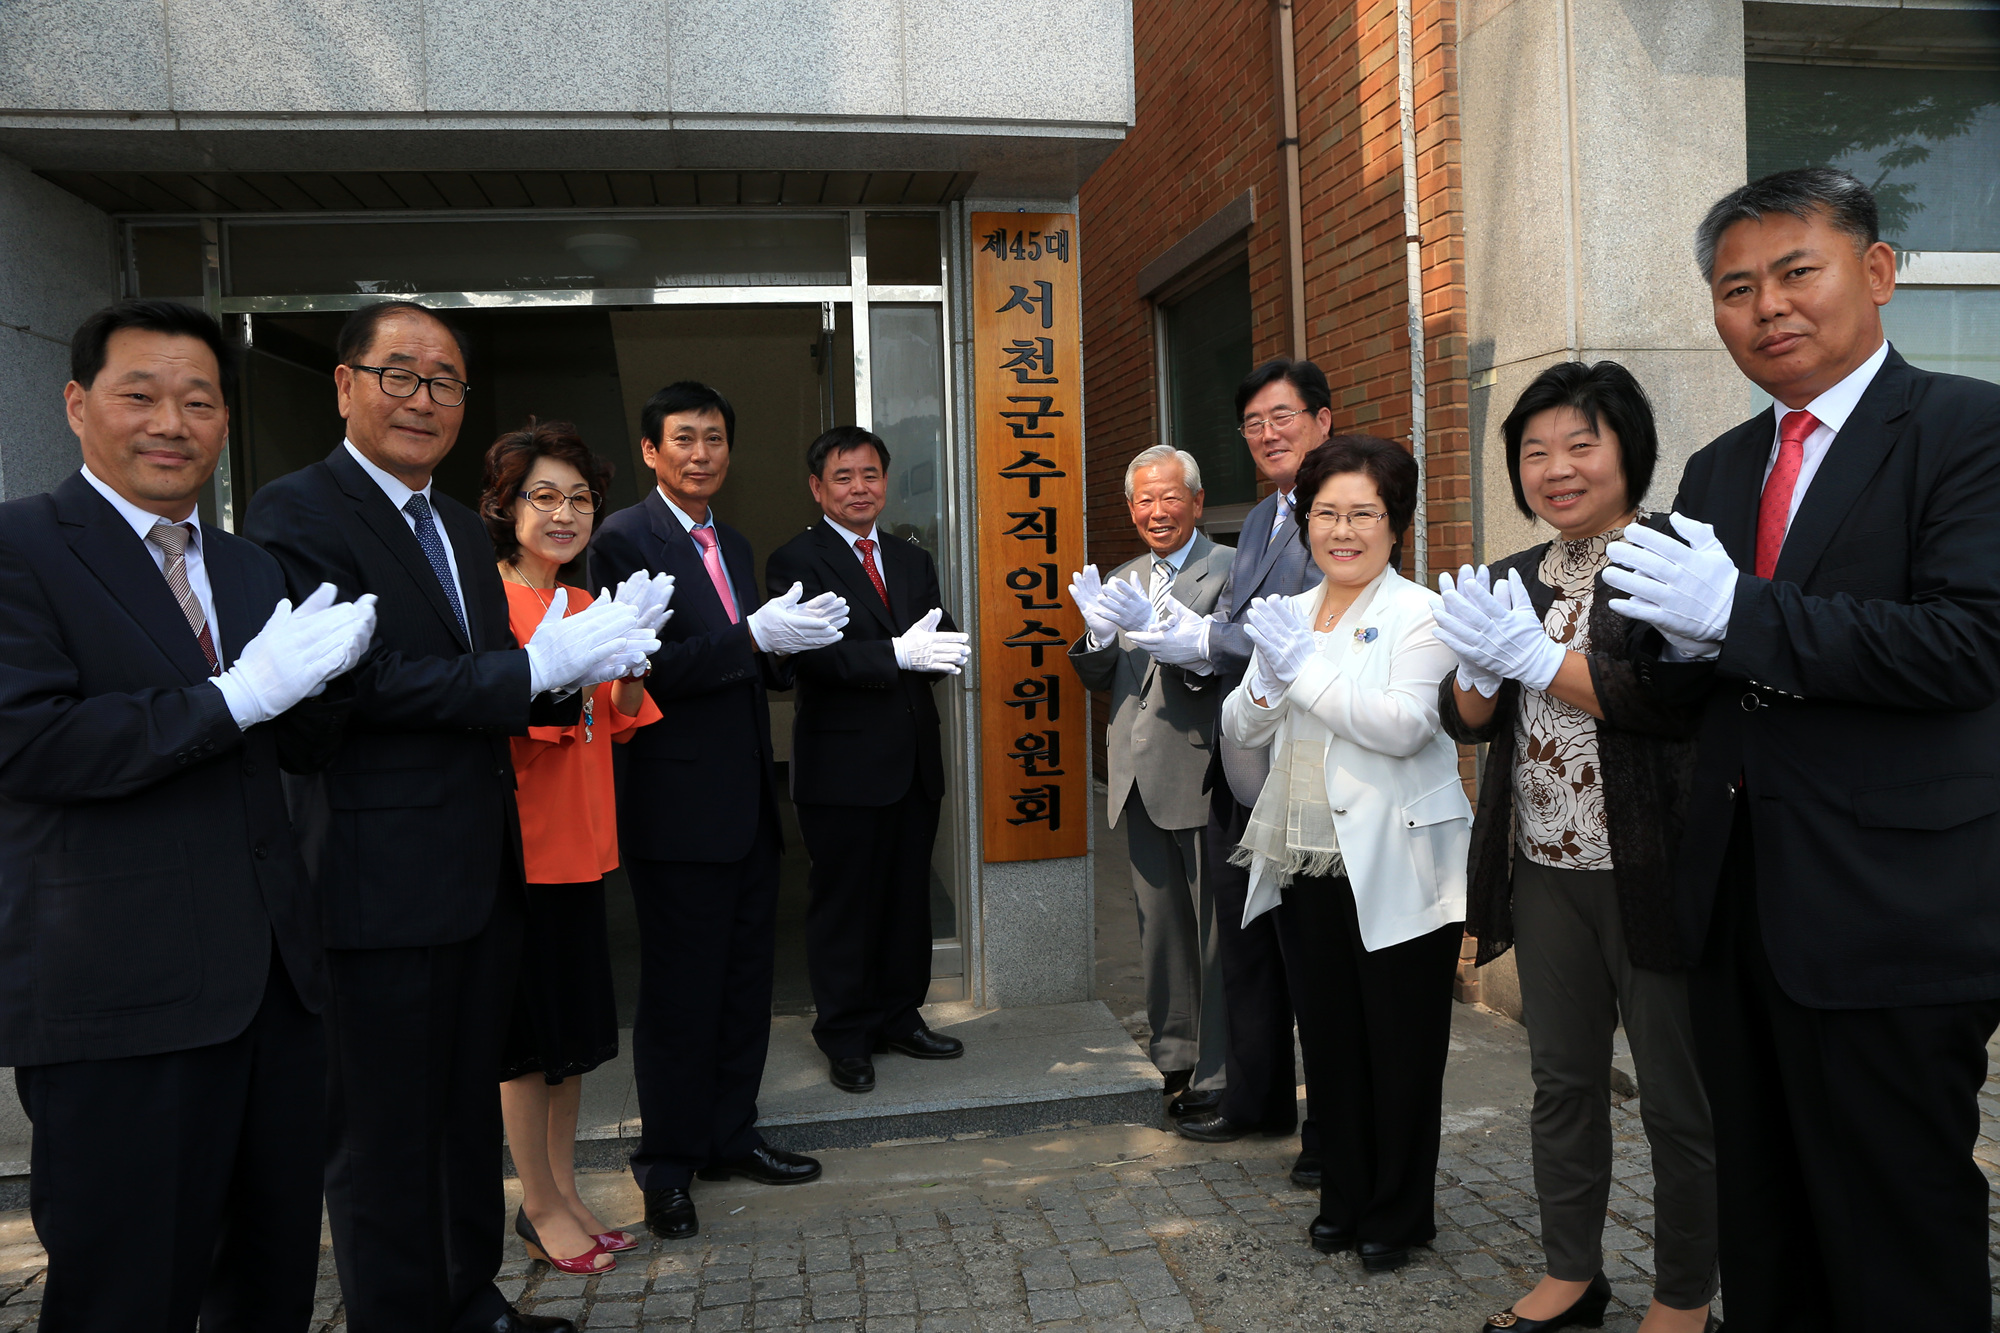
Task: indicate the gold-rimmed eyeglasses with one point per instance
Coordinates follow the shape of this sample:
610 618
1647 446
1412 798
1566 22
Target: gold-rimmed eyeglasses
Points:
548 499
1278 420
400 383
1361 520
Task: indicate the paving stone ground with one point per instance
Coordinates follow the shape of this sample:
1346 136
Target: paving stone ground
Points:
1121 1229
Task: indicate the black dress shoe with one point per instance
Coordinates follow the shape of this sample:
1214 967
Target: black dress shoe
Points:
1305 1171
1587 1311
923 1044
1177 1081
670 1213
516 1322
1193 1103
1328 1238
765 1165
1211 1128
852 1073
1379 1258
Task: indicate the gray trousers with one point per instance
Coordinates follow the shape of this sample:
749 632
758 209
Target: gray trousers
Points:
1177 948
1569 945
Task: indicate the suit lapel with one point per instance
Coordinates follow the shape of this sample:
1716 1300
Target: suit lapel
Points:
1738 488
897 572
741 563
229 588
844 563
1851 462
393 530
473 550
1275 541
107 545
1193 570
694 593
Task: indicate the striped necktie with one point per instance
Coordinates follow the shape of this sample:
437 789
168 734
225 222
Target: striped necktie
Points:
173 539
1163 588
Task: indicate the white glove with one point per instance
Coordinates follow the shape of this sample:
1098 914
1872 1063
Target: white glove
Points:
1178 640
1126 607
565 650
295 654
630 656
1472 676
648 598
1504 638
1086 589
1284 642
1685 592
786 625
925 647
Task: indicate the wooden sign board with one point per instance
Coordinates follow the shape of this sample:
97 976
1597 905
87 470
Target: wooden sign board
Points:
1028 507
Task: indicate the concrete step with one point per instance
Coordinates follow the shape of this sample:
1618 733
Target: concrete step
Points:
1046 1067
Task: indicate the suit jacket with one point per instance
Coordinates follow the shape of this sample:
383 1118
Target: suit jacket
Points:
865 728
1162 717
1875 794
1267 564
146 858
411 827
696 781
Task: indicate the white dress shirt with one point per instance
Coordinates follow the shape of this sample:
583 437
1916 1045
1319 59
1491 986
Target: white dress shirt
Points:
1831 409
689 525
399 495
850 536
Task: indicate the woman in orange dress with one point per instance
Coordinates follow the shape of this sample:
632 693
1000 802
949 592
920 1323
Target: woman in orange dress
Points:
542 492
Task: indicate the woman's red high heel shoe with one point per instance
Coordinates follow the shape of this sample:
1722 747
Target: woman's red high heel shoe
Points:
583 1265
616 1241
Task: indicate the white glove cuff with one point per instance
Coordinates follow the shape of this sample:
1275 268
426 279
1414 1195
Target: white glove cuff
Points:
538 671
244 705
902 655
1540 673
1485 685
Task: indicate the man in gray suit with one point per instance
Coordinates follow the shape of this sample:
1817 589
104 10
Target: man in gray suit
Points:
1285 412
1162 727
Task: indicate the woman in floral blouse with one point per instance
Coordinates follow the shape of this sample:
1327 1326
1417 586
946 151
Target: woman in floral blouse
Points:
1578 814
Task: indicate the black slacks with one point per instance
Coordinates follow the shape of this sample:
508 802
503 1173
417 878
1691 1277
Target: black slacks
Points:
1376 1030
707 947
413 1184
868 928
1263 1086
1848 1195
208 1157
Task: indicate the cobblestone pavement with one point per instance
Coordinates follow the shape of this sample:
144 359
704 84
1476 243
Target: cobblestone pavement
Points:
1120 1228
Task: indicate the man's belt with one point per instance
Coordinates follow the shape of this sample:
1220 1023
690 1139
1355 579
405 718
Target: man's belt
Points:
1758 695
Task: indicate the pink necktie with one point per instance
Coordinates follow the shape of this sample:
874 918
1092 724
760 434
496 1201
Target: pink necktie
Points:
711 558
1774 512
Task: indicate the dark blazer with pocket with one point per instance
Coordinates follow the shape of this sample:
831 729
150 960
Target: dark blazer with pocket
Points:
1858 697
147 861
694 783
865 728
412 824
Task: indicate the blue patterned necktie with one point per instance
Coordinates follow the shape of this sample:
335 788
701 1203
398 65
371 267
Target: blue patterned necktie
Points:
419 510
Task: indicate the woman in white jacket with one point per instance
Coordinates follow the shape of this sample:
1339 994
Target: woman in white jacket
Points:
1358 841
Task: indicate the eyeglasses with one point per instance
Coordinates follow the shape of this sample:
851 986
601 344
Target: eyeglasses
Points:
398 383
1361 520
1254 427
548 499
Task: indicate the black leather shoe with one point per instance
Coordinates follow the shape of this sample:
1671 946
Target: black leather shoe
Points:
1211 1128
1328 1238
1587 1311
765 1165
1379 1258
923 1044
670 1214
1177 1081
516 1322
1193 1103
852 1073
1305 1171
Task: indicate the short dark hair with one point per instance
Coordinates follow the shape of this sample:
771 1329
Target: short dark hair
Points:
1798 193
1304 376
87 346
1384 462
508 463
838 441
684 396
1607 395
357 332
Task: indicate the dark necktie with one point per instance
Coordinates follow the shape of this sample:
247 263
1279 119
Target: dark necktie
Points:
419 510
867 549
173 539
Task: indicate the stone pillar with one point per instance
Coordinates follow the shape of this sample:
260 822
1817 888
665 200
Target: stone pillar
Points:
1596 134
57 264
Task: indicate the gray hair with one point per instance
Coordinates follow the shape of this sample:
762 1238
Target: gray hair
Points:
1160 453
1797 193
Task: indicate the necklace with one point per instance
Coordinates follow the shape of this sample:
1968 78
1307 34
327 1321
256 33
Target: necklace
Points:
590 696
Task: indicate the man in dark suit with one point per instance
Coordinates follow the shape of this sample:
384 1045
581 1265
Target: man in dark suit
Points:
1286 411
1162 730
1838 604
867 763
698 815
411 831
161 973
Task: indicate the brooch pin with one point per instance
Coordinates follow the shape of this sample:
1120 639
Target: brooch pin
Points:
1368 635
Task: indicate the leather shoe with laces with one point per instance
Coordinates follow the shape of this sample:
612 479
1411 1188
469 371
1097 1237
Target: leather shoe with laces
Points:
516 1322
1192 1103
670 1213
923 1044
851 1073
765 1165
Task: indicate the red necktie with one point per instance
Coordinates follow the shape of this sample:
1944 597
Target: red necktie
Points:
867 549
1774 512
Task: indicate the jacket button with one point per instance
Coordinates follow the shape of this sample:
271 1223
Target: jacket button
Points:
259 850
249 768
1340 809
499 772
